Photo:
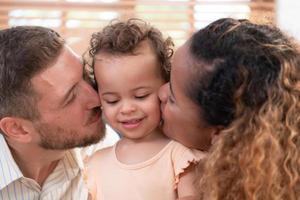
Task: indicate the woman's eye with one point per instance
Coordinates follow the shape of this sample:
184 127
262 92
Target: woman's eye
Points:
170 99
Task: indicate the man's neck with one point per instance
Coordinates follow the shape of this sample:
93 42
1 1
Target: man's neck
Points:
35 162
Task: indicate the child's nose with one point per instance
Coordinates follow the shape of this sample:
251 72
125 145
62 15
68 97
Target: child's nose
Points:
127 107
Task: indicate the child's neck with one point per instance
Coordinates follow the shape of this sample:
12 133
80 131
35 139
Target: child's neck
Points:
153 137
129 151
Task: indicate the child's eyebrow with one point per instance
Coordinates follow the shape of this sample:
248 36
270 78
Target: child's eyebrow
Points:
141 87
108 93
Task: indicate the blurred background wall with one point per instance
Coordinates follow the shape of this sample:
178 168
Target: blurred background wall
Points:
76 20
288 14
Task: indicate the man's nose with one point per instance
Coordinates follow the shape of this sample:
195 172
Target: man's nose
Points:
90 95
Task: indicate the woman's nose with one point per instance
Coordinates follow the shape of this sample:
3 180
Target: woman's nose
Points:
162 93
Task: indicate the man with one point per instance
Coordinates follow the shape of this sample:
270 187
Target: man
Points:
46 109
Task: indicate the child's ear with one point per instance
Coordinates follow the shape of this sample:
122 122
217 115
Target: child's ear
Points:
16 129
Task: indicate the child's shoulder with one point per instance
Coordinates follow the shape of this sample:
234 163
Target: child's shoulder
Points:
180 149
99 156
178 146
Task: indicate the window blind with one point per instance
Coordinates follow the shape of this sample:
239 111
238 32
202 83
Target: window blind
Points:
76 20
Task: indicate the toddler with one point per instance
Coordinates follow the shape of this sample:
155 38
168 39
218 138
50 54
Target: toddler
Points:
131 60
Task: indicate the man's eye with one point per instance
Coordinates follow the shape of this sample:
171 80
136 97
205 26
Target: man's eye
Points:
71 99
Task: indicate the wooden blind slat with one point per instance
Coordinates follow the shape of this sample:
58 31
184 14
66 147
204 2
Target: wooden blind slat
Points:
178 19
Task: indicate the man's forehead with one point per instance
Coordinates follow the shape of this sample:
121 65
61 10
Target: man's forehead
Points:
60 76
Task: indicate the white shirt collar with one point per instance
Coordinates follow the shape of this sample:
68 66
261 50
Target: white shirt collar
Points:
8 166
9 170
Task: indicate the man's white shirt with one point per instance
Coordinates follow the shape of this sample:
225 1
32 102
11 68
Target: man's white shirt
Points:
66 182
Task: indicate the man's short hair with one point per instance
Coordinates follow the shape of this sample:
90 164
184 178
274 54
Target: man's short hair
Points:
24 52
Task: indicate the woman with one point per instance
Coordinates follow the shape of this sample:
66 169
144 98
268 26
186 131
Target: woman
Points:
235 91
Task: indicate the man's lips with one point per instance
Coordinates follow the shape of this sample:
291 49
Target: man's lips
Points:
94 117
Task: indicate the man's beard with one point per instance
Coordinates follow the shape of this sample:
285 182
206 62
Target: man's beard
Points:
58 138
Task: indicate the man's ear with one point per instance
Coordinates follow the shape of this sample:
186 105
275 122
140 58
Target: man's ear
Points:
16 129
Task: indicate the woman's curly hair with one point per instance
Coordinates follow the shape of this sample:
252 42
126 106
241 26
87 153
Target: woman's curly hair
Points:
123 37
253 90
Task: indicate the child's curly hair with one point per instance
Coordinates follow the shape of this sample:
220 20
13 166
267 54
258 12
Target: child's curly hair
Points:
253 90
123 37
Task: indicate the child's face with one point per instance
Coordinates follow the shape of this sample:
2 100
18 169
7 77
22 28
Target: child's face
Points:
128 89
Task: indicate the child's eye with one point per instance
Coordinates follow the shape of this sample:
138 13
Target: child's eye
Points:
142 96
111 102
